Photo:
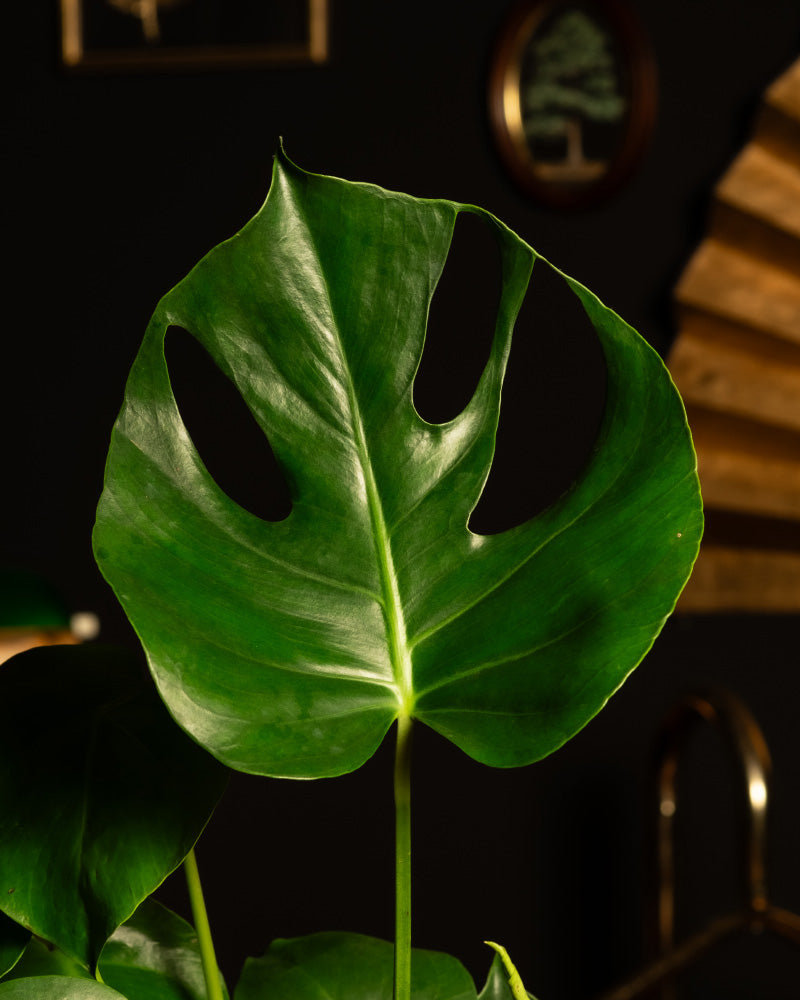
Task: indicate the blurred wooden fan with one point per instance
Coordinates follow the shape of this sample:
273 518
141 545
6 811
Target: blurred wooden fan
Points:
736 361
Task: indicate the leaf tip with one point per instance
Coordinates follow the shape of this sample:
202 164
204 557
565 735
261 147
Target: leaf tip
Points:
514 981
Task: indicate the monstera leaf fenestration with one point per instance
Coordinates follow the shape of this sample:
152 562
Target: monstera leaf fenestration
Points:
288 648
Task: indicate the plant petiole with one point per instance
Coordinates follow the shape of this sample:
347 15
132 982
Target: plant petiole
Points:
201 925
402 806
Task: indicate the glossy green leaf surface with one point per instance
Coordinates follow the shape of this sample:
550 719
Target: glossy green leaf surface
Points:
289 648
13 941
101 794
57 988
339 966
154 956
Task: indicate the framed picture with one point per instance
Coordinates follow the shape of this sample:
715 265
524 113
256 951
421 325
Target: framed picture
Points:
572 98
130 35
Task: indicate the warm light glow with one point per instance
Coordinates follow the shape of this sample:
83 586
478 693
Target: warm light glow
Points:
17 640
758 793
84 625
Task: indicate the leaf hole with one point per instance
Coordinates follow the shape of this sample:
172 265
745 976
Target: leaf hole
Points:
461 322
231 444
553 400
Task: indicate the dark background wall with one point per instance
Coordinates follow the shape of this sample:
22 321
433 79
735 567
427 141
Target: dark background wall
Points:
114 186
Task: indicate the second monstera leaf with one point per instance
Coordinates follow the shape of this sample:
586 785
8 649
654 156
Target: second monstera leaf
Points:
288 648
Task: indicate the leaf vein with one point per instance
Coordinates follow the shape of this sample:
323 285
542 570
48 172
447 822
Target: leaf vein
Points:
496 584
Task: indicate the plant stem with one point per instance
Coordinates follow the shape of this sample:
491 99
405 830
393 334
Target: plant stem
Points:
402 812
201 925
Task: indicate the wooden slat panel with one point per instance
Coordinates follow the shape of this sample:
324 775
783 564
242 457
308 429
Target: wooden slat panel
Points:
779 134
778 123
743 580
746 466
784 93
719 330
765 186
735 380
732 480
736 361
743 289
757 208
736 227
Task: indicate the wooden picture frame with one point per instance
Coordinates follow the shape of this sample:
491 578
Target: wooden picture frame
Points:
158 35
572 98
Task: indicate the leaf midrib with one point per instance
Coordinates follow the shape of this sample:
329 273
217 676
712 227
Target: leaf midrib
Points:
391 603
399 651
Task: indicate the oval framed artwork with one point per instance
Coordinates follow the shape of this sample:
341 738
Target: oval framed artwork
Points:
572 98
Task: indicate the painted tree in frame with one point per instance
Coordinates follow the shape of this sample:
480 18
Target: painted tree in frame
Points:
574 82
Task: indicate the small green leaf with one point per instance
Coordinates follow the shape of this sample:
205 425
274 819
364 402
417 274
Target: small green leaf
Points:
57 988
42 959
13 940
101 794
503 982
154 956
339 966
289 648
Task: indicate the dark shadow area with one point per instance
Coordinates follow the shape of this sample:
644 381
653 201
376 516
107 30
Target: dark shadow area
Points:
307 856
552 406
233 447
461 322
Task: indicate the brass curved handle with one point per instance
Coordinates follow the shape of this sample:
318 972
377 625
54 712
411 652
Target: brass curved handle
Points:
728 714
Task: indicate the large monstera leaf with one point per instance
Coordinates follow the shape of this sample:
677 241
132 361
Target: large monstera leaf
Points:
288 648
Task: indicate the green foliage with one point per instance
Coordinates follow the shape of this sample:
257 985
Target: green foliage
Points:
57 988
288 648
348 967
504 982
154 956
13 940
341 966
101 795
43 959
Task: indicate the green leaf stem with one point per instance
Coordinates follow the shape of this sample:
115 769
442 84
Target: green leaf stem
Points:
101 794
289 648
503 982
